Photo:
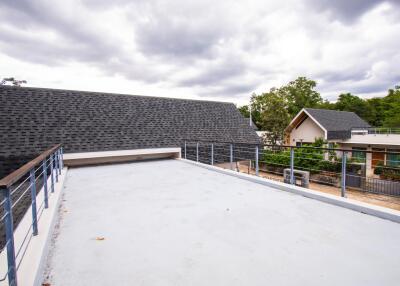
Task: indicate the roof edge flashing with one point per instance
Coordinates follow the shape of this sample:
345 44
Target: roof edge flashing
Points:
120 156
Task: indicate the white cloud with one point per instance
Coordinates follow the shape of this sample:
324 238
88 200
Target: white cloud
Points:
222 50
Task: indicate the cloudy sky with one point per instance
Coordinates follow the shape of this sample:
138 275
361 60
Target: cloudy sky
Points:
219 50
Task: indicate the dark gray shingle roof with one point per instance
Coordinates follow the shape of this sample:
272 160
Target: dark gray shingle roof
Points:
33 119
337 123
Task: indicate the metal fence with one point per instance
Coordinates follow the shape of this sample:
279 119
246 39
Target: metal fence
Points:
19 193
375 130
327 169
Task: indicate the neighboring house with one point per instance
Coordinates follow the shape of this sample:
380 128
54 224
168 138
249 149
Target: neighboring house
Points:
348 131
34 119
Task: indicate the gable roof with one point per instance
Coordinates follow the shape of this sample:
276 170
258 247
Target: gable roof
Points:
336 124
33 119
334 120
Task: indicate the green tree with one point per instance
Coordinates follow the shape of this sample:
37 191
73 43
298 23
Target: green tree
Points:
391 108
301 93
376 116
255 103
244 110
274 116
350 102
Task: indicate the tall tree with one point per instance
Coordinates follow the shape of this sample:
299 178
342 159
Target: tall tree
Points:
274 116
391 107
301 93
350 102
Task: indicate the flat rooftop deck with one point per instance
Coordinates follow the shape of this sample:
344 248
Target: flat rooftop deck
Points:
168 222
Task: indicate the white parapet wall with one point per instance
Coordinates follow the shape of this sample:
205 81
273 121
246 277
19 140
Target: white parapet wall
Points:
120 156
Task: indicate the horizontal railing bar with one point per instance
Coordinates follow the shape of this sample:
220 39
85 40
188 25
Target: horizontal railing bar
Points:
15 189
20 197
289 146
10 179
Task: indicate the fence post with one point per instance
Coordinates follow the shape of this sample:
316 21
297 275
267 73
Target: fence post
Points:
231 156
61 158
59 161
51 173
185 150
33 198
197 151
212 154
56 166
46 195
292 181
344 159
9 229
256 161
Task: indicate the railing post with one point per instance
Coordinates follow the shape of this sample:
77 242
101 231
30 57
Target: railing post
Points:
343 183
256 160
51 173
59 161
9 229
231 156
212 154
197 151
56 166
292 181
185 149
33 198
61 158
46 195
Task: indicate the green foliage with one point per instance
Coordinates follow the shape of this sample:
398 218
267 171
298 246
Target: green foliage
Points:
244 110
378 111
310 159
349 102
272 111
274 116
378 168
299 94
387 172
391 108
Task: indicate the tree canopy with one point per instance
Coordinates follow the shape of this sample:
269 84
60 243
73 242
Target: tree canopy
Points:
273 110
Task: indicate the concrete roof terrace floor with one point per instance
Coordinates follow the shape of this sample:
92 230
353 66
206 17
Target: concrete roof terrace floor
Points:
168 222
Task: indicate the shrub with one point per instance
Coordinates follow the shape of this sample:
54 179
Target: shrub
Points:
379 168
309 159
390 173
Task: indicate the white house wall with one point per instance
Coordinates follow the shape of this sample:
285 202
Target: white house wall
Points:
308 131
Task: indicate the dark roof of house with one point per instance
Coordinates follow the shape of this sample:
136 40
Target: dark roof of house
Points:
34 119
337 123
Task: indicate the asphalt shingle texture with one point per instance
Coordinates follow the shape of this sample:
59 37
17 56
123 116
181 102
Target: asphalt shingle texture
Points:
334 120
337 123
34 119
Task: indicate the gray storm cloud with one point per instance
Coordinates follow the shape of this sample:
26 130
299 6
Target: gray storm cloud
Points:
220 49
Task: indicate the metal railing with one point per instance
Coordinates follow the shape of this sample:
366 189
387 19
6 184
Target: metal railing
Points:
375 130
19 190
327 169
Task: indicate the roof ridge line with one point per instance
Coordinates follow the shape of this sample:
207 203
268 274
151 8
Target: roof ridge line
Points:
110 93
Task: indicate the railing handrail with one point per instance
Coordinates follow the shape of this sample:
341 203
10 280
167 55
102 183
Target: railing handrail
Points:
10 179
290 146
383 130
